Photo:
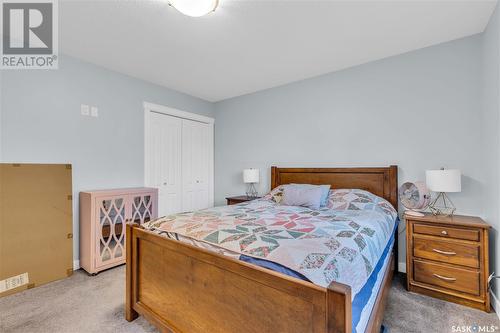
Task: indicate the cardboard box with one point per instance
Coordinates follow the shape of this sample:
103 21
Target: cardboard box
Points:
36 225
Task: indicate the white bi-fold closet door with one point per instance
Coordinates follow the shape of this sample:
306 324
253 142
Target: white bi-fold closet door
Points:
179 161
195 160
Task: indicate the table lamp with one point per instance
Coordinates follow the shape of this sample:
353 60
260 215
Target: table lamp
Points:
443 181
251 177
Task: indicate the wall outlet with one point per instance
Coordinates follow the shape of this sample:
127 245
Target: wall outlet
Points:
94 112
85 110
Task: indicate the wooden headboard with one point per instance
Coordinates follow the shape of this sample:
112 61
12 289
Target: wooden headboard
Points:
379 181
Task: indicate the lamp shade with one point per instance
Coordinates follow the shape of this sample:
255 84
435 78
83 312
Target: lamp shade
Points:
251 176
444 180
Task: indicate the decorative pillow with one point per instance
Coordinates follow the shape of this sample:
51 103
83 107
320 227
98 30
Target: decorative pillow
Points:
276 194
325 191
305 196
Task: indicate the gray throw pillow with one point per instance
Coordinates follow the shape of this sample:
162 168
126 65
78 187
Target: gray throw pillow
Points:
325 191
304 196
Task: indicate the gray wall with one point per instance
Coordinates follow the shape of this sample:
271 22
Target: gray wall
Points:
419 110
491 138
41 123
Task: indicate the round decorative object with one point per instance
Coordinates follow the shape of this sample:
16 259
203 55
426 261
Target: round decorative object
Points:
414 196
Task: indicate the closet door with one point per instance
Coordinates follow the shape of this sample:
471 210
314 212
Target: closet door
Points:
195 165
164 162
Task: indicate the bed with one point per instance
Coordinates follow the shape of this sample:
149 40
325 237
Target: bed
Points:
183 287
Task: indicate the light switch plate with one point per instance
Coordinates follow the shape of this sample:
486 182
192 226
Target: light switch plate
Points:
94 112
85 110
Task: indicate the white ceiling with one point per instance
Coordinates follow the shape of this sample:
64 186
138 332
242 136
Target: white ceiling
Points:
250 45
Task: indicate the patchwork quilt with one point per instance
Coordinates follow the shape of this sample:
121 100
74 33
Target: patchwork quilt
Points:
341 242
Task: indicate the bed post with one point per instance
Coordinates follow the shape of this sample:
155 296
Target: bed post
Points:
274 174
393 185
130 313
338 308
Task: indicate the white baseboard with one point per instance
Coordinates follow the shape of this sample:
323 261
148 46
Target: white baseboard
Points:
495 303
402 267
76 264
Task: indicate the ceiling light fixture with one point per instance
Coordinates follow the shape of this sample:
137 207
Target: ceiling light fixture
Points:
194 8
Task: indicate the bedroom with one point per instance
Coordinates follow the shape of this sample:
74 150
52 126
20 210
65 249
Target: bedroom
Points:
185 113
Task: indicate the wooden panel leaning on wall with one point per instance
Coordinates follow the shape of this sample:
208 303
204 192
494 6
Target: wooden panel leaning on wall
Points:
36 225
209 292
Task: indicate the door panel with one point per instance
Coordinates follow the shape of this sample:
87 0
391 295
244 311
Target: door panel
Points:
195 168
143 208
201 196
111 230
188 160
165 162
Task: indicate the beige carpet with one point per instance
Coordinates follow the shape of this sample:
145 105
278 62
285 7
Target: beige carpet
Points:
85 304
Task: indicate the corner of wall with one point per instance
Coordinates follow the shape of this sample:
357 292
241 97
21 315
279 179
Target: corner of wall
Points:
490 113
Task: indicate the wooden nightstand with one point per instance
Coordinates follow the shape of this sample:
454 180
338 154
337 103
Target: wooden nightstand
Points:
239 199
447 258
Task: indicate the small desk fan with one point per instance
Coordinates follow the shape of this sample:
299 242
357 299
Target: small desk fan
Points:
414 196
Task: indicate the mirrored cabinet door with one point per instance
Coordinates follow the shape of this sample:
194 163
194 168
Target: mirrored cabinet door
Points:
111 230
143 207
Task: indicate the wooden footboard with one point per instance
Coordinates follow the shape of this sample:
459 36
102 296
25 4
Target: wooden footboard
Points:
181 288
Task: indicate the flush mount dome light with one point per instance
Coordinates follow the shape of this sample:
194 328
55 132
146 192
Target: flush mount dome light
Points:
194 8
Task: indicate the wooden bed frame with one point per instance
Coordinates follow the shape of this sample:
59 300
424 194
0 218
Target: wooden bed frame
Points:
181 288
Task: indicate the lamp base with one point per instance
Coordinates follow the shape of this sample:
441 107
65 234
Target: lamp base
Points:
251 191
447 209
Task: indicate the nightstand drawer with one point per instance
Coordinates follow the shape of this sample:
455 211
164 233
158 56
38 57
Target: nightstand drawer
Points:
454 278
449 232
233 202
446 251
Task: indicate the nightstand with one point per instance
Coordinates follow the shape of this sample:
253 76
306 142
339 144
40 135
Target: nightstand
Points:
447 258
239 199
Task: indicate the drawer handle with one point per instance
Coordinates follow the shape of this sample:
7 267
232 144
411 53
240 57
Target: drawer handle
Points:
444 277
444 232
444 252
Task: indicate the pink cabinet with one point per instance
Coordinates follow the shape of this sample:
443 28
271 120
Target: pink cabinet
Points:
103 215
